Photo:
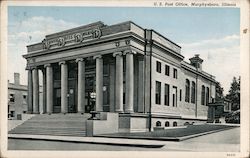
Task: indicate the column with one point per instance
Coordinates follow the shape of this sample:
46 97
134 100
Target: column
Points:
112 95
49 88
44 91
64 87
35 81
141 107
30 92
129 81
99 83
118 81
81 85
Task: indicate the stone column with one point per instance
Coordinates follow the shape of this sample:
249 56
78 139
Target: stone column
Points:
141 107
129 81
30 92
44 91
64 87
81 85
49 88
99 83
118 81
35 80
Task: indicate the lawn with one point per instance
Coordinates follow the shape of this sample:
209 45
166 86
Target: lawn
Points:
174 132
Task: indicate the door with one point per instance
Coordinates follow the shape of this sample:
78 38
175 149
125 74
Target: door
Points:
72 96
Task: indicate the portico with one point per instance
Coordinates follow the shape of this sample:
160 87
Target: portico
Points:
99 67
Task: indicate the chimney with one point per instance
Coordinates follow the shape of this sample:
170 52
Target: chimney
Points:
16 78
196 61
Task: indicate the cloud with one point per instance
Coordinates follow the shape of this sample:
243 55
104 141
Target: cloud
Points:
26 32
221 57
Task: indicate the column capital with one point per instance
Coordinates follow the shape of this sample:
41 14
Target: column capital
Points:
33 67
129 52
117 53
79 59
47 65
62 63
97 56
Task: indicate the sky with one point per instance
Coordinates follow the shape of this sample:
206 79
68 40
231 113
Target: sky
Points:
211 32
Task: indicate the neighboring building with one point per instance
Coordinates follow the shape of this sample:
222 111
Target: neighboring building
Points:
121 68
17 98
218 110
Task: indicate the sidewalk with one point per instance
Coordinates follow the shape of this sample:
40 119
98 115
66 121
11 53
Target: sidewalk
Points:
92 140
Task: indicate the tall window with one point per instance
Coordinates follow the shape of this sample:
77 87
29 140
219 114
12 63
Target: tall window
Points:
166 95
158 66
158 92
174 96
167 70
175 73
180 94
193 92
203 95
207 96
12 98
187 93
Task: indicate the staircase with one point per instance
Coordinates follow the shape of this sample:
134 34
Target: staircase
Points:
54 124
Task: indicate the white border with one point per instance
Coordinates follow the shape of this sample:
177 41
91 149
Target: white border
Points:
244 7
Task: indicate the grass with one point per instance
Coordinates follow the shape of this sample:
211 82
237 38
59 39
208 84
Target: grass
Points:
178 132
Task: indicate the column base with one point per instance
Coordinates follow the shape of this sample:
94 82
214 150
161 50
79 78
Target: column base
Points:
81 112
119 111
128 112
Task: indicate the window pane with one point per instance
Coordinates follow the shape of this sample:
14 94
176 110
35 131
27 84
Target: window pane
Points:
158 92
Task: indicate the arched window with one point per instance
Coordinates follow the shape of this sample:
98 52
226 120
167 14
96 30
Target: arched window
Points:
203 95
158 124
207 96
186 123
174 124
166 124
187 93
193 92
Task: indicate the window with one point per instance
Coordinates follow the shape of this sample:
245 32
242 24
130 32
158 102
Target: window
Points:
158 93
24 99
174 96
203 95
187 93
180 94
207 96
193 92
12 98
166 95
158 66
167 70
174 124
158 124
12 113
166 124
175 73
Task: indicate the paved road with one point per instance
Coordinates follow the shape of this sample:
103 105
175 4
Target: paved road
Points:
222 141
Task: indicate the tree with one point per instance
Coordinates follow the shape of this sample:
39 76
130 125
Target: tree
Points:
218 92
234 94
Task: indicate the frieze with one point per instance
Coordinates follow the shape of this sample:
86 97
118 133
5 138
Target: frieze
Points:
71 39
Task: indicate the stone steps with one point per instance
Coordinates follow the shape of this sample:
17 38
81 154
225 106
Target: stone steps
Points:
55 124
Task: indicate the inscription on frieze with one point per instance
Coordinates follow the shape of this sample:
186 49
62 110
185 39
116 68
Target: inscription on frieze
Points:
71 39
